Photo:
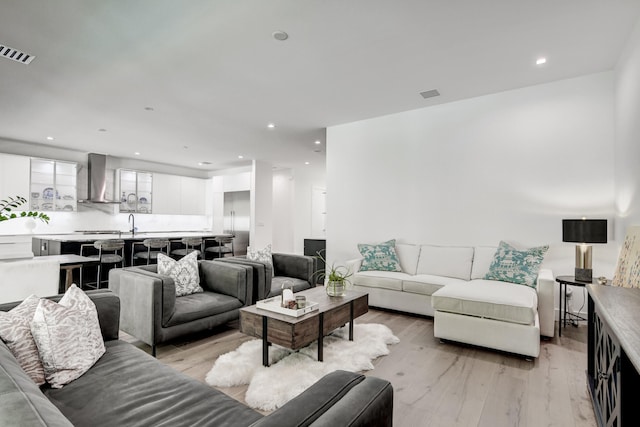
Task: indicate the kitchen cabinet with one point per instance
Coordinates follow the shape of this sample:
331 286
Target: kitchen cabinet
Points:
14 176
179 195
135 189
192 196
53 185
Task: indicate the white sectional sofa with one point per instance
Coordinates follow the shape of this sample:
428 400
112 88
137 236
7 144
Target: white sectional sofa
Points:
447 282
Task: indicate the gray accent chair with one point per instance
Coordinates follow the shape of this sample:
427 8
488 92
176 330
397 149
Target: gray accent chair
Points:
152 313
127 387
267 281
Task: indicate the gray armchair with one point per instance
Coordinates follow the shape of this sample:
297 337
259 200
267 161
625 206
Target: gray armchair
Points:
267 282
151 312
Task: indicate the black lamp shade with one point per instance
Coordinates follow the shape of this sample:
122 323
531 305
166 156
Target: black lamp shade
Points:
584 230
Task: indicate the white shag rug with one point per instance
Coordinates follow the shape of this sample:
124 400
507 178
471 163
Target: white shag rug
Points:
292 372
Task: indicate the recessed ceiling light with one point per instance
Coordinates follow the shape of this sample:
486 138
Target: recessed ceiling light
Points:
271 125
541 61
149 108
186 147
306 163
241 157
204 163
280 35
318 142
50 138
137 153
102 130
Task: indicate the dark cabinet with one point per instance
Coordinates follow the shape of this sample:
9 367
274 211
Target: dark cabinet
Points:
611 375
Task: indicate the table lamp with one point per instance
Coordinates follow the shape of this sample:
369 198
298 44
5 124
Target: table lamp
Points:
584 231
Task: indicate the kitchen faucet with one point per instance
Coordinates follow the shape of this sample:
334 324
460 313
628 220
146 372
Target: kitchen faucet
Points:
132 220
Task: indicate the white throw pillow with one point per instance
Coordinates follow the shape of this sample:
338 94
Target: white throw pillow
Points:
15 331
68 336
184 273
263 255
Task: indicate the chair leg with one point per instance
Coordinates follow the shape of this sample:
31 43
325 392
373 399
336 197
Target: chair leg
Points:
98 277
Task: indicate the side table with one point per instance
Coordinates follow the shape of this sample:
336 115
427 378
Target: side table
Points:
563 281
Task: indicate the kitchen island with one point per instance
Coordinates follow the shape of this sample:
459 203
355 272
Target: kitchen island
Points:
63 244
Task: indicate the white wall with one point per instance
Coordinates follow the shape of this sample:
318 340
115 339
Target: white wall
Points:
507 166
306 178
627 147
283 211
261 227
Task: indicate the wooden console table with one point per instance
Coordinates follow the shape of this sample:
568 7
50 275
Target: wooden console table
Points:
613 363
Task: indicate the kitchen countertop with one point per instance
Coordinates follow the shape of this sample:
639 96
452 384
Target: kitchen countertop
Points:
75 237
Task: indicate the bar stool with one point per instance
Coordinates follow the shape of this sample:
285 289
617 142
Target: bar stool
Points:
149 255
190 244
221 249
107 254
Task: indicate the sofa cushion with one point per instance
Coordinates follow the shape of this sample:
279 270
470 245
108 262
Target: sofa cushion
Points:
449 261
68 336
408 257
184 272
23 404
380 279
516 266
298 284
261 255
127 387
482 257
489 299
15 331
201 305
427 284
380 257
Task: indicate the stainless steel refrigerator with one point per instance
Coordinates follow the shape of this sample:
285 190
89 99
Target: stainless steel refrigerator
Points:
237 217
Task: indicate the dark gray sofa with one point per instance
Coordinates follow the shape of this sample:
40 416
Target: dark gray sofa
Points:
152 313
267 280
127 387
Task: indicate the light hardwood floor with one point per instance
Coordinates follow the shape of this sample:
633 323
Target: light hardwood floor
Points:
444 384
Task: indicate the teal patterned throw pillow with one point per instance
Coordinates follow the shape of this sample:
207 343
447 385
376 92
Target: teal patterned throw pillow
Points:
381 257
514 266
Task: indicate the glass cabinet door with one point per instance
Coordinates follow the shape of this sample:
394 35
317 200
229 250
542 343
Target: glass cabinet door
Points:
53 185
135 191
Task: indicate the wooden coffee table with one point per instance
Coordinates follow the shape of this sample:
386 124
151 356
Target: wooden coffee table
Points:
297 332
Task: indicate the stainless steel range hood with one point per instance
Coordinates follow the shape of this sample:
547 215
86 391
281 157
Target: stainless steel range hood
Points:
97 185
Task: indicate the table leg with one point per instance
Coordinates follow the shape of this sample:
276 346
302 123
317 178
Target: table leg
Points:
320 336
560 309
351 321
265 342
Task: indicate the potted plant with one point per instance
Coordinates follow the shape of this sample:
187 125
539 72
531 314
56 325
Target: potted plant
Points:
7 207
336 278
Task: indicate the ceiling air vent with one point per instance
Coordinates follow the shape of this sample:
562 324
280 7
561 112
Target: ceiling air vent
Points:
430 93
15 55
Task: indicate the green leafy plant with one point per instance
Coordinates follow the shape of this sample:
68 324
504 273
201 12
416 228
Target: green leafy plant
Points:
335 274
7 207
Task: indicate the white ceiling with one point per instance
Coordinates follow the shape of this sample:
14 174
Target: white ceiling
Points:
215 77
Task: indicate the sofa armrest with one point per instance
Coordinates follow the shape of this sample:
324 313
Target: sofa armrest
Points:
262 273
296 266
141 301
235 280
338 399
354 264
546 310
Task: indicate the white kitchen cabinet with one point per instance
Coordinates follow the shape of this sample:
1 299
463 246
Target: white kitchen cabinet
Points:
192 195
14 176
53 185
135 190
179 195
